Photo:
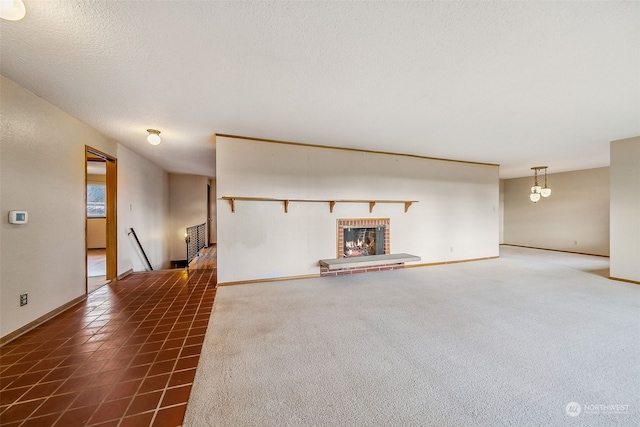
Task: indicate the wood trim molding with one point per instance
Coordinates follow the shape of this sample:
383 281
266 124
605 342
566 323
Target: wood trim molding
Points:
40 320
359 150
275 279
111 183
97 155
554 250
112 220
624 280
430 264
125 274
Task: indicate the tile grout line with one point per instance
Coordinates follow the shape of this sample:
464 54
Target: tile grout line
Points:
97 310
103 400
159 404
160 301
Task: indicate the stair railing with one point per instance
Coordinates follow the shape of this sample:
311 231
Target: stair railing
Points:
195 239
132 231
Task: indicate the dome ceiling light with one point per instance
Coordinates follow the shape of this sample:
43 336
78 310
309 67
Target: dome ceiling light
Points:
154 137
12 10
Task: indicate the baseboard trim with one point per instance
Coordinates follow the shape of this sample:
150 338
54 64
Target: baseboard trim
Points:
275 279
430 264
554 250
40 320
624 280
125 274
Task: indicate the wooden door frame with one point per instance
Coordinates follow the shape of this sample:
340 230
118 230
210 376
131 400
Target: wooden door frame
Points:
111 209
208 212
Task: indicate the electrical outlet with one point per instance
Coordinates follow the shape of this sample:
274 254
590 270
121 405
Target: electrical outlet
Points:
24 299
575 243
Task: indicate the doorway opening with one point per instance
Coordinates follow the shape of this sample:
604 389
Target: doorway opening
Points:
100 219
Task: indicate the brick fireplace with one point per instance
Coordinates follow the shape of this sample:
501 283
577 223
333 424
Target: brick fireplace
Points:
363 236
363 245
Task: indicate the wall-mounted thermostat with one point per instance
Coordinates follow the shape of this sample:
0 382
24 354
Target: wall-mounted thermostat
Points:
18 217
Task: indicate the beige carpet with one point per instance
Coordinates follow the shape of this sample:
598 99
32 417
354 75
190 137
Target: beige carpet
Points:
510 341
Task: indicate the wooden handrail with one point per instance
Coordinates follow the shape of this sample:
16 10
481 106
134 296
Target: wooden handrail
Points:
132 231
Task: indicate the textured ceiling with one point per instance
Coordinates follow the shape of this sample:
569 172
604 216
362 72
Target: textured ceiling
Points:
514 83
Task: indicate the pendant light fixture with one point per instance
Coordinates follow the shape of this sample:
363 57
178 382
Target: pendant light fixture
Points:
546 191
536 187
154 137
537 190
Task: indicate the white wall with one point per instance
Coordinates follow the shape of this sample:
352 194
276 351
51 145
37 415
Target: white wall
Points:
574 218
143 204
42 170
456 217
625 209
188 207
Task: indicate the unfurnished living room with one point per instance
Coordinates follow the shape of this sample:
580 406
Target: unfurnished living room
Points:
319 213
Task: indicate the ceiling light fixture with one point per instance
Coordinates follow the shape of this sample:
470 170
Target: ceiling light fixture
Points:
12 10
153 137
537 190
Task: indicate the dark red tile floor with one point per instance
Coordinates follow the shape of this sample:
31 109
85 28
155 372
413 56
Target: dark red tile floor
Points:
126 356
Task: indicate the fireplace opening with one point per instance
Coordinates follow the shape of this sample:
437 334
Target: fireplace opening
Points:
363 241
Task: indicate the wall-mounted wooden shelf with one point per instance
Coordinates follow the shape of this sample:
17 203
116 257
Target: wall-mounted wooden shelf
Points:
332 203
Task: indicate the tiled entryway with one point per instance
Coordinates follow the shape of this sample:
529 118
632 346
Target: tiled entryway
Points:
126 356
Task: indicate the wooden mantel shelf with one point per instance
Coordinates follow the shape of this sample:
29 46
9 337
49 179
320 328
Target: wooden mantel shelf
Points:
332 203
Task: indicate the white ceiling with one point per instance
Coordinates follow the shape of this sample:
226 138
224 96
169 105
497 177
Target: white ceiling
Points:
514 83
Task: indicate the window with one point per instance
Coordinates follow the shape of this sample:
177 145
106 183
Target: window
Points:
96 201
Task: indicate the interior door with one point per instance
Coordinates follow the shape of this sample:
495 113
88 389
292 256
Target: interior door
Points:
110 209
